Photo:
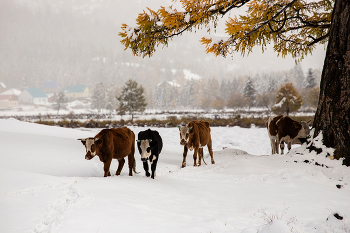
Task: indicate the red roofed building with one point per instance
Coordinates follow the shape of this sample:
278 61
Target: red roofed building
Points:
8 101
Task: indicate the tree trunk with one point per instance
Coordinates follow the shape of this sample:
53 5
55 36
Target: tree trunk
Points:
333 111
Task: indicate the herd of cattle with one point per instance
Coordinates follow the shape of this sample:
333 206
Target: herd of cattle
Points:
118 143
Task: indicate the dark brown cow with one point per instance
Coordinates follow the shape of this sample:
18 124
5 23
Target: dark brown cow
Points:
111 144
195 136
283 129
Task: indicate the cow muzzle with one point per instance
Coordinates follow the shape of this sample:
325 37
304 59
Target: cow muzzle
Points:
89 156
144 159
183 142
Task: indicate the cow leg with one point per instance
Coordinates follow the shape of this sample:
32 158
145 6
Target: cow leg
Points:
131 161
276 147
210 149
106 166
272 146
282 147
120 166
200 156
273 143
195 156
145 166
289 144
153 167
184 156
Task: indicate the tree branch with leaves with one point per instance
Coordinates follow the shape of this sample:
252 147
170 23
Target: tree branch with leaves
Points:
293 26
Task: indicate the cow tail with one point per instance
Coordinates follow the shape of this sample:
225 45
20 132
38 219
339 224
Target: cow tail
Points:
134 167
203 159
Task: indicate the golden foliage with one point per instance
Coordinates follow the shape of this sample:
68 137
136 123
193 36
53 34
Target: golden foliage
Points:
287 100
293 26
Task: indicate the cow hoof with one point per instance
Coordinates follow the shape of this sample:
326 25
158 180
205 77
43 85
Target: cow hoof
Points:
213 162
148 174
183 164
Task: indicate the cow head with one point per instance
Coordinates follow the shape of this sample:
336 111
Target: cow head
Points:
145 148
305 130
91 146
184 134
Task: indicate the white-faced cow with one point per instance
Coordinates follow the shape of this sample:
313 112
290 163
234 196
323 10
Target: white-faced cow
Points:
195 136
111 144
283 129
149 144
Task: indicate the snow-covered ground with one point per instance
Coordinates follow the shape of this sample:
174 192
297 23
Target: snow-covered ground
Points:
46 185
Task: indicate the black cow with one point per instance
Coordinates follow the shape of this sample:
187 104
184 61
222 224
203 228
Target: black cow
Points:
150 145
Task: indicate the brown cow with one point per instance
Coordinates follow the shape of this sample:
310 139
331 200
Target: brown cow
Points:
195 136
283 129
111 144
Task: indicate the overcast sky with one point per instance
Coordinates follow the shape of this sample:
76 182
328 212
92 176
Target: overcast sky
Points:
61 39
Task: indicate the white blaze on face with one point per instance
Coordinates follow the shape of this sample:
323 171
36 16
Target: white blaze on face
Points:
144 146
184 134
89 144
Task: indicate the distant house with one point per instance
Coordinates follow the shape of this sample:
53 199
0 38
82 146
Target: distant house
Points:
8 101
33 96
11 92
9 98
76 92
167 84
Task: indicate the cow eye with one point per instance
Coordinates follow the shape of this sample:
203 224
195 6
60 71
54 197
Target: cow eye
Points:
92 147
186 135
148 149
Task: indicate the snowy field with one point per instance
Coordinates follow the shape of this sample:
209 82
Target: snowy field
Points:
46 185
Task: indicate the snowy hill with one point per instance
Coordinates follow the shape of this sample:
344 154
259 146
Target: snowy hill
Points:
46 185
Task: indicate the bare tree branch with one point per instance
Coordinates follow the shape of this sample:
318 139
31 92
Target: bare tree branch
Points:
319 39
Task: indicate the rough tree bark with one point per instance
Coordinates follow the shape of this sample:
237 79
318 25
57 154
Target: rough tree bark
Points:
333 111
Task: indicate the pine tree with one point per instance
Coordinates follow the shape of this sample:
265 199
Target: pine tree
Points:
249 92
287 100
132 98
60 102
309 81
186 94
271 85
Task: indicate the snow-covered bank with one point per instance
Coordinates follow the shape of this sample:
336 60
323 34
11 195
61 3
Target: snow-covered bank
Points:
46 185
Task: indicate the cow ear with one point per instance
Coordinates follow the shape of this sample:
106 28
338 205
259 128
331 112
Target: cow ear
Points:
98 141
138 140
296 124
179 127
150 140
190 127
82 141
